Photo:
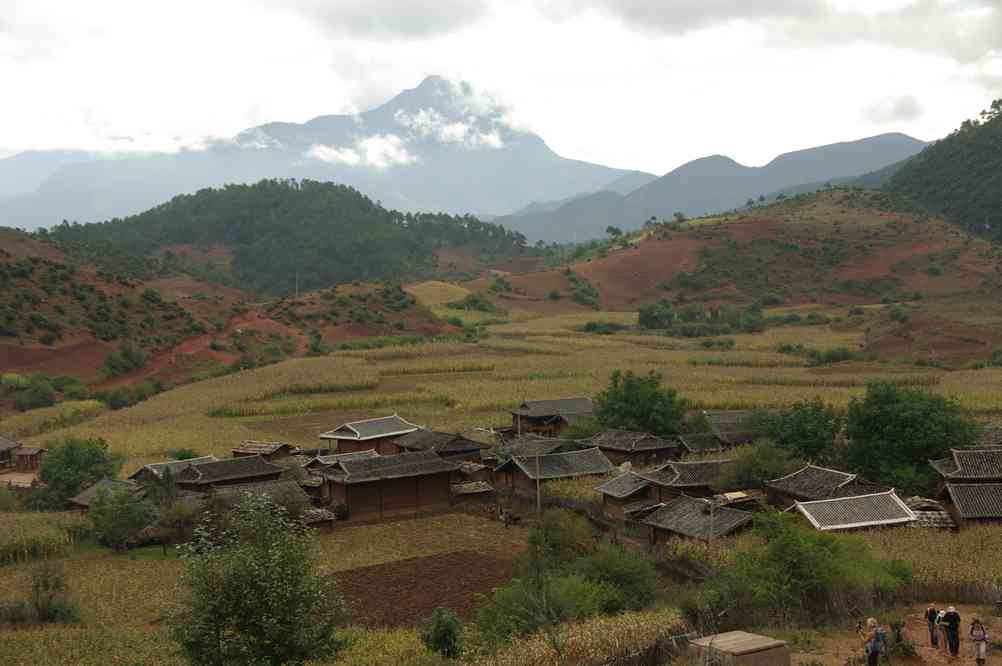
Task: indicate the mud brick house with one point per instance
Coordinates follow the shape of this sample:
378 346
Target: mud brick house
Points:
154 471
83 501
232 471
688 478
637 448
858 512
813 483
522 472
622 492
383 486
270 451
451 446
695 518
549 417
379 434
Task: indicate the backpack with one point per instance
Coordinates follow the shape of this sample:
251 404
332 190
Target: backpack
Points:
879 643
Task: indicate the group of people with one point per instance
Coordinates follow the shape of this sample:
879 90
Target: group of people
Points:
944 633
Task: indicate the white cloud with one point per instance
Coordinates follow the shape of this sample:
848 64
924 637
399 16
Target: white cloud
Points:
379 151
893 110
431 123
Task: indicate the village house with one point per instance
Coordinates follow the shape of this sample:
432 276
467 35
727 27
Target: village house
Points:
624 492
549 417
284 492
525 446
83 500
231 471
695 518
381 486
971 480
812 483
318 463
154 471
378 433
315 485
975 502
451 446
522 472
733 427
636 448
7 448
270 451
857 512
18 457
700 443
689 478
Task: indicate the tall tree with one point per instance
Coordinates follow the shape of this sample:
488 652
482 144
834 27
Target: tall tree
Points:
119 515
640 403
68 467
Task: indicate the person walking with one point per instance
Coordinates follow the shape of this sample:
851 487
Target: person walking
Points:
979 641
952 622
874 642
944 638
931 614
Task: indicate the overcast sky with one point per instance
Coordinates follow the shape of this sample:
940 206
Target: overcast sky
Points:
644 84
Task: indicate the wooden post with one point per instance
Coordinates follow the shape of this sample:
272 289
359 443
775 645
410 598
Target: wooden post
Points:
380 486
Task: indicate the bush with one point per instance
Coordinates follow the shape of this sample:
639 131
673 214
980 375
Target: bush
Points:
554 295
603 327
817 357
630 576
754 465
127 359
49 598
183 453
473 301
69 466
898 314
718 343
40 393
441 633
639 403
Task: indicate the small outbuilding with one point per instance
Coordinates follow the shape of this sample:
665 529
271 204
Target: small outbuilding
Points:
695 518
523 471
811 483
732 427
549 417
689 478
976 502
321 462
379 434
621 492
155 471
930 514
700 443
636 448
270 451
82 501
7 448
454 447
28 458
739 648
856 513
231 471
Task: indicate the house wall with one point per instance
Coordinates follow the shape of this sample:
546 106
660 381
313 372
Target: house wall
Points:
781 500
612 507
538 426
28 463
394 497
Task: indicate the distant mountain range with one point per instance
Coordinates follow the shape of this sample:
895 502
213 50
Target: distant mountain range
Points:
437 147
708 185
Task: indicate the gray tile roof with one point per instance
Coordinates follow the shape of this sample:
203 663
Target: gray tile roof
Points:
415 463
623 485
563 465
8 444
817 483
976 501
280 490
108 485
529 445
231 469
442 443
384 426
685 474
702 442
697 518
992 435
175 466
262 448
862 511
731 427
335 458
632 442
558 407
978 464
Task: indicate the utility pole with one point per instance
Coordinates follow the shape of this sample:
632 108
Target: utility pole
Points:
539 495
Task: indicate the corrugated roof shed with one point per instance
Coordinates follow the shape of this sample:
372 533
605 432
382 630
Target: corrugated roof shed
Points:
976 501
384 426
231 469
632 442
977 464
558 407
564 465
697 518
623 485
416 463
862 511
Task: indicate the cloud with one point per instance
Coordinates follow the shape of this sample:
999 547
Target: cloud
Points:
904 108
388 18
431 123
379 151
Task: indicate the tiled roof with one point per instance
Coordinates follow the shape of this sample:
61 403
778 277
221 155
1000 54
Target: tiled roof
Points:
28 451
535 446
279 490
8 444
108 485
980 464
623 485
976 500
442 443
384 426
640 508
929 513
175 466
262 448
564 465
817 483
559 407
632 442
416 463
992 435
847 513
697 518
335 458
702 442
685 474
731 427
231 469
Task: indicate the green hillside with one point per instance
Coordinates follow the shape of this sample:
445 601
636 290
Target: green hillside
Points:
264 237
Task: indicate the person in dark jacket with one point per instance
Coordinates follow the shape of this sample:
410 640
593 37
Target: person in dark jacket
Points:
952 622
930 617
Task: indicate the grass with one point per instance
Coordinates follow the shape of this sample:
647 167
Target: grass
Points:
46 419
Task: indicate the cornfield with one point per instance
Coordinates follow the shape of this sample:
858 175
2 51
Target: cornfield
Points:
31 536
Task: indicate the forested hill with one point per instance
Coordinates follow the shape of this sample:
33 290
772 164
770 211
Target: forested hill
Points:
261 236
959 177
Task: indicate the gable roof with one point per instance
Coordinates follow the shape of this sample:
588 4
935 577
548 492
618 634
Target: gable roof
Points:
632 442
108 485
731 427
335 458
558 407
976 500
231 469
982 463
991 435
442 443
812 482
701 442
277 489
383 426
401 465
530 445
685 474
175 466
847 513
262 448
563 465
697 518
623 485
8 444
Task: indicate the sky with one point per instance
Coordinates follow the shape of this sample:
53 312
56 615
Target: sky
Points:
643 84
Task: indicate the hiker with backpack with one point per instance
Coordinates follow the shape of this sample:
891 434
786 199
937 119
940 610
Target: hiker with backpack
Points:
944 632
952 622
979 641
874 642
931 614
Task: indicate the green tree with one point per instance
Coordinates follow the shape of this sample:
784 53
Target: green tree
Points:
68 467
808 429
656 315
39 393
894 431
441 633
118 516
254 596
614 232
640 403
755 464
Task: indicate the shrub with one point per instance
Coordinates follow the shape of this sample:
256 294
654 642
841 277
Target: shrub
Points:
40 393
639 403
718 343
69 466
340 511
554 295
755 464
473 301
49 598
898 314
630 576
816 357
183 453
127 359
441 633
603 327
118 516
